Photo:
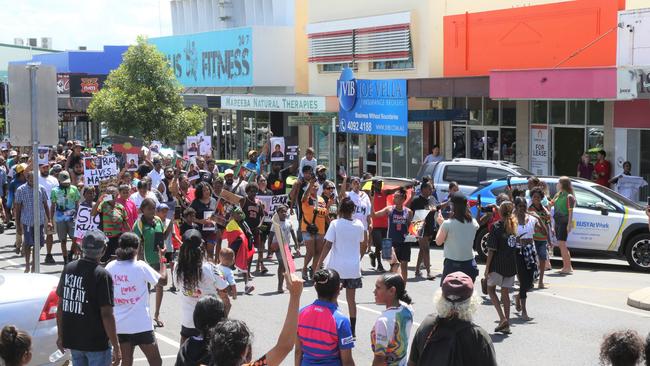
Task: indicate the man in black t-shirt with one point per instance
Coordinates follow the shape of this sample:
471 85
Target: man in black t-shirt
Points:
425 202
84 315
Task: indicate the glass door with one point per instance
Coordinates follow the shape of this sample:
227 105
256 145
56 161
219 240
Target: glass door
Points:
484 144
568 147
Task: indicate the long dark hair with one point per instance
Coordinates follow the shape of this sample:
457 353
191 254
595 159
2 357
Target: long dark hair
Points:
461 213
327 283
14 344
208 312
127 246
189 264
230 339
200 188
395 280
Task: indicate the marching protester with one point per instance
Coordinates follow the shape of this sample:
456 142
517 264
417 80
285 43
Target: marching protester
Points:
390 335
563 204
17 181
379 229
500 266
124 199
24 206
314 216
340 252
542 230
425 201
65 202
457 234
276 244
208 312
48 182
86 325
308 160
170 179
399 219
526 255
205 207
113 220
240 239
231 342
622 348
15 346
131 310
324 333
450 337
362 206
195 277
254 211
144 192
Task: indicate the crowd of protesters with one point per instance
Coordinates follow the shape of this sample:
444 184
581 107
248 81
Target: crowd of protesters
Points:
183 217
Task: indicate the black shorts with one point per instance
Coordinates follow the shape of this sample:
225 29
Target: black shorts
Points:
378 234
189 332
402 251
561 223
352 283
137 339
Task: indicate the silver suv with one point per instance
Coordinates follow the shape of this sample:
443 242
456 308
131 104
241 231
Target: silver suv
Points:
468 173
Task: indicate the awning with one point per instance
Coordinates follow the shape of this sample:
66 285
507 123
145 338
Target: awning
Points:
596 83
202 100
376 38
432 115
474 86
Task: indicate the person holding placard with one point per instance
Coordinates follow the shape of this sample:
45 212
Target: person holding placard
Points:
113 218
276 244
65 200
205 206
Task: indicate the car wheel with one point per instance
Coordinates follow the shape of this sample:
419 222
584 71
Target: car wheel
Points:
637 252
480 243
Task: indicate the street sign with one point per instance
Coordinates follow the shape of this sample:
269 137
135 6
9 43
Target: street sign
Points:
309 120
20 108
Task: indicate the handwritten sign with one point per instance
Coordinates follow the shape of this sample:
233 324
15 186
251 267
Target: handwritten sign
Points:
271 203
85 221
99 168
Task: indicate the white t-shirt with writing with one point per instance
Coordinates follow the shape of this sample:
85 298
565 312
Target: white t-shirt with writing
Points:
362 206
212 280
346 237
131 295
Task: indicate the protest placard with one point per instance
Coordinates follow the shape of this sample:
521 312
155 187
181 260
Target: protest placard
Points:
285 252
230 197
277 148
205 144
192 145
85 221
126 145
99 168
271 203
132 162
155 146
43 155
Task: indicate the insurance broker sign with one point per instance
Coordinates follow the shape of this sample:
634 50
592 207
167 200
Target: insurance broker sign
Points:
373 107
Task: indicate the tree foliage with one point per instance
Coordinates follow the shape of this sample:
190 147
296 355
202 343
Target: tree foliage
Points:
142 98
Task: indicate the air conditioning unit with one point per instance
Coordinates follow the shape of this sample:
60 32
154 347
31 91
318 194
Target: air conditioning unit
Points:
19 41
46 42
82 48
32 42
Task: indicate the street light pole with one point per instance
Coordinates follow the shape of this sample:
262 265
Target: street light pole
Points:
33 67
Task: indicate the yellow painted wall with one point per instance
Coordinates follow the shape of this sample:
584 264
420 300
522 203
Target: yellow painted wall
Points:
301 50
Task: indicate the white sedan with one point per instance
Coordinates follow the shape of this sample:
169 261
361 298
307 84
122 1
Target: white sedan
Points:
29 301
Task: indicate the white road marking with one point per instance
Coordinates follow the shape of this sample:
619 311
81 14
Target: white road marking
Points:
372 310
168 340
143 359
644 315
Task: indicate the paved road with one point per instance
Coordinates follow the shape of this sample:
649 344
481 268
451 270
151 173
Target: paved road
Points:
570 318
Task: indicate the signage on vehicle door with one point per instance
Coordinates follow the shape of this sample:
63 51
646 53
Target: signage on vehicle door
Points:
539 149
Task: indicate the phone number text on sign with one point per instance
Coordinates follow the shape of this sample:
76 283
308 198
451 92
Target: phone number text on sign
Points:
355 126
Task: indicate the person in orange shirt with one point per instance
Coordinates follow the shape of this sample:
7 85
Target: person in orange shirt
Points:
315 215
602 169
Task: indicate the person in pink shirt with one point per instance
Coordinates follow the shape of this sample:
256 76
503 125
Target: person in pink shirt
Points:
124 200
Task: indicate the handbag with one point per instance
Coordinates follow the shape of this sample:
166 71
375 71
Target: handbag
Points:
312 228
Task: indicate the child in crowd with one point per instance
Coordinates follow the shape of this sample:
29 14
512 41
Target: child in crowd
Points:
15 346
194 351
275 245
189 215
226 262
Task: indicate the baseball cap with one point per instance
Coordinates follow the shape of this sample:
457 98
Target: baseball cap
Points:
162 206
24 156
13 153
20 168
5 148
320 167
93 242
229 172
457 287
193 238
57 168
64 177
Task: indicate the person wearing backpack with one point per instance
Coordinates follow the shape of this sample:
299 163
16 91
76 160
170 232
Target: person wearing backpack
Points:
450 337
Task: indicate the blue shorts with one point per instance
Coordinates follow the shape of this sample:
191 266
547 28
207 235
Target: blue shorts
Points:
542 252
28 233
467 267
86 358
308 237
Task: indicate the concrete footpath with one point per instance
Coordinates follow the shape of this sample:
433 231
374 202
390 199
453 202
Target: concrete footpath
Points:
640 299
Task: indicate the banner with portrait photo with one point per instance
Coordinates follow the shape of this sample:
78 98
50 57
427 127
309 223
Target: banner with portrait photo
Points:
277 149
192 145
155 146
132 162
205 145
99 168
271 203
43 155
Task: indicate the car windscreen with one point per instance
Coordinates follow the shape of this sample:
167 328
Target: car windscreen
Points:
616 197
522 171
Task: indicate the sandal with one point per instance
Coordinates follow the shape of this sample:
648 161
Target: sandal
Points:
503 327
517 303
158 323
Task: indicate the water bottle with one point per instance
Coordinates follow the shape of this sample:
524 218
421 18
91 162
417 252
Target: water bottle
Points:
57 355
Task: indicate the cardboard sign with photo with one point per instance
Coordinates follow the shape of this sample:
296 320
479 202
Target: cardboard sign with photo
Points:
43 155
277 149
132 162
192 145
291 149
205 145
155 146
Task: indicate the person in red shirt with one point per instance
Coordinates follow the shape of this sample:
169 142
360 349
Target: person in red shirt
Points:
603 169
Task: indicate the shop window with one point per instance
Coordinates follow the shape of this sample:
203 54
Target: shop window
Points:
508 144
595 140
539 111
323 142
325 68
577 112
393 64
491 112
353 151
558 112
477 141
460 103
461 174
414 148
399 151
458 145
386 148
596 113
475 107
371 154
508 113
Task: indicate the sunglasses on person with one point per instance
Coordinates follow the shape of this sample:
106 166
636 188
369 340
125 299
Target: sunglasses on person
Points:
329 187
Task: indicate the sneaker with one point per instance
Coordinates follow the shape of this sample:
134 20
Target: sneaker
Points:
310 272
373 261
172 289
305 277
49 259
248 289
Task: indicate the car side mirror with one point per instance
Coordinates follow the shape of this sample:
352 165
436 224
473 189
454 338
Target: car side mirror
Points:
602 207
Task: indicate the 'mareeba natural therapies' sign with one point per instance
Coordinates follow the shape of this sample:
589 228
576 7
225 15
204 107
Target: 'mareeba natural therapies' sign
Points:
288 103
